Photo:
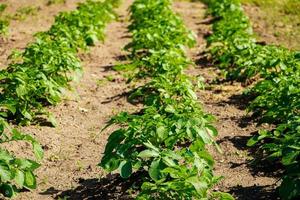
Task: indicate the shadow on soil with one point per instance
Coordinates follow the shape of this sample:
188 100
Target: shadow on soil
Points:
240 101
240 142
258 165
116 97
111 187
203 62
108 68
254 192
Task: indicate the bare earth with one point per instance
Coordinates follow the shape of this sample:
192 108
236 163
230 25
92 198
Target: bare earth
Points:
73 149
273 29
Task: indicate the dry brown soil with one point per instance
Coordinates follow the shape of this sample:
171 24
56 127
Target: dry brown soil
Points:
73 149
274 28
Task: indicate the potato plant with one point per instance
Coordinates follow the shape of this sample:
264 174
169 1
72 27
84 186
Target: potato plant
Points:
36 78
232 46
168 137
17 173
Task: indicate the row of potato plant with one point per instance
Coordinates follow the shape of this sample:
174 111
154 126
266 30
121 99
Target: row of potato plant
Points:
277 90
166 139
37 76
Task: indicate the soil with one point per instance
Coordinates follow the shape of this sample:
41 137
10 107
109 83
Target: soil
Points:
274 28
225 101
73 149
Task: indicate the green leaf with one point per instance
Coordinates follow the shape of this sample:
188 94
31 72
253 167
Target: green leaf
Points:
5 156
114 140
26 164
172 172
29 180
91 39
148 154
289 188
21 91
19 178
7 190
192 94
223 196
200 186
212 130
169 162
290 157
172 154
204 155
155 170
148 186
5 173
203 134
151 146
27 115
109 162
125 169
161 132
11 107
252 141
17 135
52 120
170 109
38 150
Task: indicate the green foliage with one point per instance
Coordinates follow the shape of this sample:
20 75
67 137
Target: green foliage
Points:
50 2
2 7
292 7
157 27
36 78
167 138
277 101
4 23
17 173
23 12
3 26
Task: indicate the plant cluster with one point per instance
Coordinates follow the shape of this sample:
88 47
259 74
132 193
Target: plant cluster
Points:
17 173
37 76
167 139
23 12
4 23
50 2
277 92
